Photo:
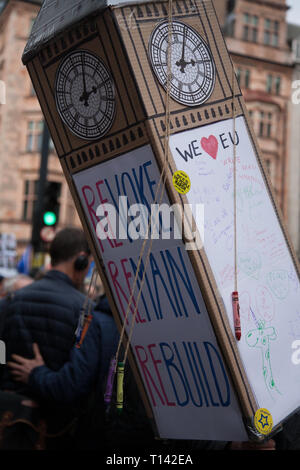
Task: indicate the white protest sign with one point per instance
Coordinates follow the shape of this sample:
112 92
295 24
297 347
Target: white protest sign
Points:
268 282
173 342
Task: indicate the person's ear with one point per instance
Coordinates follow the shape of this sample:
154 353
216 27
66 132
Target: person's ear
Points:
81 262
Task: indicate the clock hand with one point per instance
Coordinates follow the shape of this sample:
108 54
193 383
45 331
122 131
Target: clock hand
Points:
182 63
183 44
85 95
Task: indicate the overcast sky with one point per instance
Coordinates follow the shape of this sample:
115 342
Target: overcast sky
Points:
294 12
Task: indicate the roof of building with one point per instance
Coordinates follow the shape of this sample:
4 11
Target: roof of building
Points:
56 16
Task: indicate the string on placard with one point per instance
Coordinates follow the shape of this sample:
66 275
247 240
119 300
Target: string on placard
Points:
235 294
116 365
85 316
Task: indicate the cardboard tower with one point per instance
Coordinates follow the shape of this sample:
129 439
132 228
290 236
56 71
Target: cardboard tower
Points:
100 71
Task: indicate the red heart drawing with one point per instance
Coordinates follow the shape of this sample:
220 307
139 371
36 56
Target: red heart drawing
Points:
210 146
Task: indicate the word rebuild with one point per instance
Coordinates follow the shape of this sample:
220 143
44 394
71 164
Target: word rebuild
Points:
195 371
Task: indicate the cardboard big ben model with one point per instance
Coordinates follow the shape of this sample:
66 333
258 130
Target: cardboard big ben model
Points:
102 72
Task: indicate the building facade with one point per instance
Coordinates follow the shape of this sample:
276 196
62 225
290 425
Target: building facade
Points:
256 36
294 170
21 130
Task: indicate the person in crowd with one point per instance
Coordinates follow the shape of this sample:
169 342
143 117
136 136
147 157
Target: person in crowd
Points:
2 278
10 286
15 283
47 311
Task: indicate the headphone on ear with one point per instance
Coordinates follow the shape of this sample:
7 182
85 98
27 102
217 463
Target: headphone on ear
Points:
81 263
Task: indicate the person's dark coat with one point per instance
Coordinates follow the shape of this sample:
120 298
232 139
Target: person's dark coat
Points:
45 312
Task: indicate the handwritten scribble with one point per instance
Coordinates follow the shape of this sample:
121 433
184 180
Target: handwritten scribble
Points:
264 303
250 263
278 282
245 301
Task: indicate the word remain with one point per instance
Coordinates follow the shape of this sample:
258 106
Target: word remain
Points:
195 370
137 222
168 289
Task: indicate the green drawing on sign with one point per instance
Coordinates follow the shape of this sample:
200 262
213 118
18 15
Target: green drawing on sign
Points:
260 338
279 283
250 263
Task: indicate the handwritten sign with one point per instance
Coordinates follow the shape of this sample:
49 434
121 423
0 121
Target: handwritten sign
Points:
267 280
173 342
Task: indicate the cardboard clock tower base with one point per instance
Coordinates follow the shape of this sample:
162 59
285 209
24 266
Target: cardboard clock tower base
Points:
100 74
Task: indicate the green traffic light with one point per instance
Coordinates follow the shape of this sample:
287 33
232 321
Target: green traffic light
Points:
49 218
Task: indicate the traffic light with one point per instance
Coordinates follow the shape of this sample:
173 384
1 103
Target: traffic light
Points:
51 203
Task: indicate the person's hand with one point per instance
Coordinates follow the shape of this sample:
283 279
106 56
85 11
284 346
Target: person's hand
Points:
21 367
249 445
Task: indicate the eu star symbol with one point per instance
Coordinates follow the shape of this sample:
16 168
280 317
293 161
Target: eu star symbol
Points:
263 417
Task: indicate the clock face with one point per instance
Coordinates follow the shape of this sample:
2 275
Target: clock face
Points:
192 66
85 95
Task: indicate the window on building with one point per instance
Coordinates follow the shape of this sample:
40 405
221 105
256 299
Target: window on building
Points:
34 136
29 199
247 78
243 77
268 165
265 124
271 32
273 84
230 25
51 145
31 23
250 27
32 90
269 83
277 85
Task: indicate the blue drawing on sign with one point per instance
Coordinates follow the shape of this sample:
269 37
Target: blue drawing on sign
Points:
261 420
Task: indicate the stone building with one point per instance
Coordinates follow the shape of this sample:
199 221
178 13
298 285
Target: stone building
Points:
257 38
21 128
294 170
